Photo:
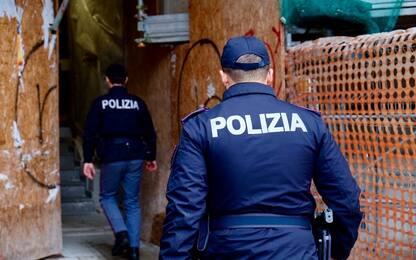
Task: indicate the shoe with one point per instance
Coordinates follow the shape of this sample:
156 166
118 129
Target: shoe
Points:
134 253
121 244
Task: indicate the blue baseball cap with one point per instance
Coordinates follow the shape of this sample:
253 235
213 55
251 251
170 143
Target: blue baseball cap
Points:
239 46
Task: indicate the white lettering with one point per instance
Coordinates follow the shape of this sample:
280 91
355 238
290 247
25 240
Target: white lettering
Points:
297 123
216 124
272 127
285 122
104 103
263 123
230 126
238 125
120 104
250 129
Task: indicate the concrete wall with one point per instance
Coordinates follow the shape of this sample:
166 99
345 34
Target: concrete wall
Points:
30 219
171 7
174 80
212 23
95 29
151 78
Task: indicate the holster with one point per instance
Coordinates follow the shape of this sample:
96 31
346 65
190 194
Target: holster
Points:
323 243
322 235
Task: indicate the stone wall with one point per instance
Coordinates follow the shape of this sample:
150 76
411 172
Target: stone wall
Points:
95 32
30 219
175 80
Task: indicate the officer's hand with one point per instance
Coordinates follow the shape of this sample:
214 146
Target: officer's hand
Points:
89 170
151 166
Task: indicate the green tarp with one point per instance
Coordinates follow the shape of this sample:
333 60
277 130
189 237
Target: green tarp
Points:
333 13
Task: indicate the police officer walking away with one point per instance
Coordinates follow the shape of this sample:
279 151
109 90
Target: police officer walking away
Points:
120 129
241 176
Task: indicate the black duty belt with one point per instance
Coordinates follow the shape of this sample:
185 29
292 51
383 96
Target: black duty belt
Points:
247 221
120 140
259 221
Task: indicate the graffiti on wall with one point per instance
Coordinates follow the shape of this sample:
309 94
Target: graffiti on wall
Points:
41 109
273 51
41 103
202 42
10 10
212 98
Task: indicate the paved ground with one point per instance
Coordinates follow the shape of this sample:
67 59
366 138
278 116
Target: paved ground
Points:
90 237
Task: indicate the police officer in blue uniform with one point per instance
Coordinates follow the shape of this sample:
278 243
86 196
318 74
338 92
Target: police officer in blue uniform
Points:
119 127
241 175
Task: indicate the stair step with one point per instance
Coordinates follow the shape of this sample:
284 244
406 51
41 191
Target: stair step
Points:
65 132
71 175
67 161
73 183
76 199
66 147
69 192
77 207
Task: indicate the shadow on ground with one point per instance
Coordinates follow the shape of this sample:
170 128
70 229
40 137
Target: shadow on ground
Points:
90 237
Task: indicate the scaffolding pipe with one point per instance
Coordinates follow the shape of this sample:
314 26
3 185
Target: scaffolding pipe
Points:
54 27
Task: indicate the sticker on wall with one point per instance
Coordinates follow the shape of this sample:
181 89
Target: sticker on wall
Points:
9 9
173 63
18 141
211 90
20 51
51 48
47 16
52 194
7 184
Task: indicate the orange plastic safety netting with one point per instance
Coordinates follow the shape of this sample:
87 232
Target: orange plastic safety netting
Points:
365 89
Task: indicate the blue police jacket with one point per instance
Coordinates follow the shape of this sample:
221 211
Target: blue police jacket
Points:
253 153
119 127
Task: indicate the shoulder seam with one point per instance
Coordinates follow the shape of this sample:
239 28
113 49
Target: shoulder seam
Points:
308 109
193 114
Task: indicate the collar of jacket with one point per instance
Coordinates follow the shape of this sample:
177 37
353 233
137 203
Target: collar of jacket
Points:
118 89
247 88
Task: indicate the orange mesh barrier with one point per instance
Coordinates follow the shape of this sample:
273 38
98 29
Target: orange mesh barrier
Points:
365 89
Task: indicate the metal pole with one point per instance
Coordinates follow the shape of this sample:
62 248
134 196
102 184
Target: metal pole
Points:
54 27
